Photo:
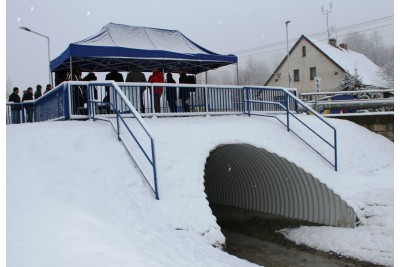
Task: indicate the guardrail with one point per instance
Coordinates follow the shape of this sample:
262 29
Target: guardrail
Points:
50 106
267 98
119 104
331 102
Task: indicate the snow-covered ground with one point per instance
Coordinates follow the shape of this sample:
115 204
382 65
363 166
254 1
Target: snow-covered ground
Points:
74 198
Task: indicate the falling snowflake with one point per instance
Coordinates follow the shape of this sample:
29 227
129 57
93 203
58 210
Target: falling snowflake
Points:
220 22
31 8
88 13
18 19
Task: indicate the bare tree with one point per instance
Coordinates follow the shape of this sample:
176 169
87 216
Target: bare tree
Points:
371 46
9 87
387 73
253 72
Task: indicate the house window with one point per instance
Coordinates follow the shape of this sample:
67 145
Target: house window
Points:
296 75
304 50
313 73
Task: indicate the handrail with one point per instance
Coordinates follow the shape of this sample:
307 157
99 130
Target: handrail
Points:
117 91
289 113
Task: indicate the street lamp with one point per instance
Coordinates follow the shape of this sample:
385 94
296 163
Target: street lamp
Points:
48 50
287 48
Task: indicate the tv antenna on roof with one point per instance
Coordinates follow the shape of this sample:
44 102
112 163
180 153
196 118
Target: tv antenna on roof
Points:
326 12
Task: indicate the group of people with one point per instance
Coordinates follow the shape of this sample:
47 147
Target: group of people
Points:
28 95
134 75
157 76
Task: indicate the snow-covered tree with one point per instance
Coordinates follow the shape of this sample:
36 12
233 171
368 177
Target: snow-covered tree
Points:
387 73
351 83
354 83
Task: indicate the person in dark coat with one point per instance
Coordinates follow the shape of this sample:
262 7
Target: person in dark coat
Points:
15 109
38 92
90 77
28 95
171 93
137 77
114 75
48 88
184 93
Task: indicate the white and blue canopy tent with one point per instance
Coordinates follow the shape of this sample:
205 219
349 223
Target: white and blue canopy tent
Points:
120 47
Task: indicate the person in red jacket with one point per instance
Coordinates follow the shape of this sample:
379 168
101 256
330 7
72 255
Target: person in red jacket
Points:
157 77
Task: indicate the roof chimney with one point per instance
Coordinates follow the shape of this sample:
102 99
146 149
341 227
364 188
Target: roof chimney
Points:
343 45
332 41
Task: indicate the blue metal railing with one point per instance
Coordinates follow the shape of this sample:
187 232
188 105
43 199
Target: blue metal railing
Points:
119 105
50 106
105 100
263 99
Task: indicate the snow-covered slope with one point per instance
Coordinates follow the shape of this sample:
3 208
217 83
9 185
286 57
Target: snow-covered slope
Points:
75 199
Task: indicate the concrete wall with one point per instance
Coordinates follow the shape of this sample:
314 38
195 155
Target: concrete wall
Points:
329 72
380 124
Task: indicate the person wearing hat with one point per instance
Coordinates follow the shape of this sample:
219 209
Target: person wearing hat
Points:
15 108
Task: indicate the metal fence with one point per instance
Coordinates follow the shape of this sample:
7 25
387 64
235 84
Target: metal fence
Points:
70 101
138 140
376 100
50 106
280 99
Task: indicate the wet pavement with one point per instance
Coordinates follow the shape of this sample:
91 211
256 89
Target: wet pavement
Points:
255 237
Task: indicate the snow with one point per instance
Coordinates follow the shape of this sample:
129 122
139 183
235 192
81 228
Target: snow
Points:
351 62
143 38
74 197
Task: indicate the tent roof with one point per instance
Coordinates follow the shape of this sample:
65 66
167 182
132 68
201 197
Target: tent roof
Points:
121 46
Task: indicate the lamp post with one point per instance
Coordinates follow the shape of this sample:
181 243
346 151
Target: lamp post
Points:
287 48
48 50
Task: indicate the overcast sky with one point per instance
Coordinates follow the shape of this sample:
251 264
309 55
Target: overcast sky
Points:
222 26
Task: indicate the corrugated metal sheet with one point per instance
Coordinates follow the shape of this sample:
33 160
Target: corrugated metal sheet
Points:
247 177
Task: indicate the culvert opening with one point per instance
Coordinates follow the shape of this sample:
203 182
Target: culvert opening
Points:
246 177
254 193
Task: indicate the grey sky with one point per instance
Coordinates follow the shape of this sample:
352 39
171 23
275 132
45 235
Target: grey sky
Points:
222 26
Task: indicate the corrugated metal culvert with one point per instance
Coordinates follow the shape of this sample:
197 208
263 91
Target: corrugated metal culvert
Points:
244 176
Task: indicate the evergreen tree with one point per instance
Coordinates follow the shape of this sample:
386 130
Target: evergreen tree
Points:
354 83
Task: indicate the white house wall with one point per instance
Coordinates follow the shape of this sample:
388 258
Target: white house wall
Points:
329 73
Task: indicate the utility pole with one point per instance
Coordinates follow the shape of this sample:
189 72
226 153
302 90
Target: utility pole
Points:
326 12
287 49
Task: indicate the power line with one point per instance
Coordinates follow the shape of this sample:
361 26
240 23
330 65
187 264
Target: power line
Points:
311 36
345 28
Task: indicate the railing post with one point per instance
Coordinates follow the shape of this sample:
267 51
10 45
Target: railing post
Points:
287 110
22 113
248 100
206 97
90 101
336 159
154 169
152 99
116 111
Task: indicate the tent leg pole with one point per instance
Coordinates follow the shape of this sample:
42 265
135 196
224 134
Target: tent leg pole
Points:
70 68
237 73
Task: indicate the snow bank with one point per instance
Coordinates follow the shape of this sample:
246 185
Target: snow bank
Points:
78 197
